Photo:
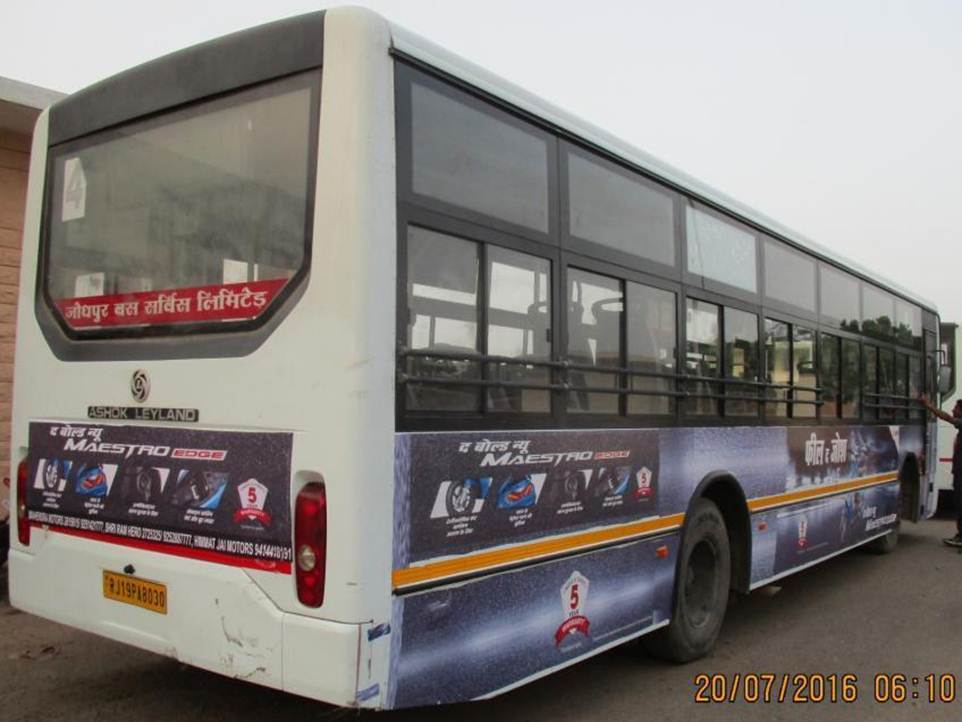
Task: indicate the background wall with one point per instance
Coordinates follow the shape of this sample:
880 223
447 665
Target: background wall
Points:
14 161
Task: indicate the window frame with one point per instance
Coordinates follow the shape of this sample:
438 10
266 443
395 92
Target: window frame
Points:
893 398
199 339
710 285
620 376
902 414
596 249
792 419
830 322
482 418
768 415
836 403
624 276
946 352
723 301
916 342
839 419
809 315
758 382
405 76
843 338
677 292
868 398
563 250
886 398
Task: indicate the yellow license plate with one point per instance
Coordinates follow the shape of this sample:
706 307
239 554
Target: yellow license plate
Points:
139 592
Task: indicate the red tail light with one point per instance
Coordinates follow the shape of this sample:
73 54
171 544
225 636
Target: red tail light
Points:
23 524
310 544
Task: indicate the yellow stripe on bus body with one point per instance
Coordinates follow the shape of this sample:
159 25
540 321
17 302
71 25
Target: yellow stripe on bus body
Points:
488 560
813 492
547 547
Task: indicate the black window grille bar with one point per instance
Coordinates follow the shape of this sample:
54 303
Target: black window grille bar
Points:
565 367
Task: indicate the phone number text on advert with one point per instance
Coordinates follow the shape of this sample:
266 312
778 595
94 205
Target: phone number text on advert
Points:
816 688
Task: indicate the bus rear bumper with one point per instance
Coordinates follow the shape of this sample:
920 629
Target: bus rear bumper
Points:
217 618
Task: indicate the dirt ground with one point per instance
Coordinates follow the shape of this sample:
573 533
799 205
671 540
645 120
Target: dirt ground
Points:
856 614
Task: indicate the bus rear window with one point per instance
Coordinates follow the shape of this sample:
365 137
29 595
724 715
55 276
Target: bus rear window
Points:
196 216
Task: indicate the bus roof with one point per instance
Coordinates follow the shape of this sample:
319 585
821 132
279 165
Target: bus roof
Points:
418 48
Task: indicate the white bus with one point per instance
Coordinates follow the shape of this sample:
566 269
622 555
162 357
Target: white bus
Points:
348 369
949 337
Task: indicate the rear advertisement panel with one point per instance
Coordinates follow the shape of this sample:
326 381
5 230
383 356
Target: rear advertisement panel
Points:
212 495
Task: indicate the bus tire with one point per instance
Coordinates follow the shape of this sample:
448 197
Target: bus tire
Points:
701 589
884 544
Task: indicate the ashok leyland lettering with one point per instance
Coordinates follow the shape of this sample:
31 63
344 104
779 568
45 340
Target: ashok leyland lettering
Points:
595 377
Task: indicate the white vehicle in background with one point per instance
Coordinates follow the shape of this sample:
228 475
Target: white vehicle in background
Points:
949 343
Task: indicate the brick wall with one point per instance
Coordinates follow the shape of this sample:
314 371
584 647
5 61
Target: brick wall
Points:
14 161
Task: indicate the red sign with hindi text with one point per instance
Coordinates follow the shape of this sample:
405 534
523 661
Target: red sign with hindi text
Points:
224 302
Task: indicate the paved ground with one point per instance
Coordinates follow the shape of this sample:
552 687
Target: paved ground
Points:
857 614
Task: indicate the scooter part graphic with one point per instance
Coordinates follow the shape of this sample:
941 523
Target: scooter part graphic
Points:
517 494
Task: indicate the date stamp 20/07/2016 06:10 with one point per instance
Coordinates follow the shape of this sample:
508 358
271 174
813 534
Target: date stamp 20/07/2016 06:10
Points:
816 688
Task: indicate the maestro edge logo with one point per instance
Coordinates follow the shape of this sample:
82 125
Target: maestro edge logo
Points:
140 385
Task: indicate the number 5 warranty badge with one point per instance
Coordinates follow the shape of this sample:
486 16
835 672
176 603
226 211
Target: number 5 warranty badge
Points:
574 597
253 496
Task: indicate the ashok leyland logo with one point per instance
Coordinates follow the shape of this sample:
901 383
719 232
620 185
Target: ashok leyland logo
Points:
253 496
140 385
574 597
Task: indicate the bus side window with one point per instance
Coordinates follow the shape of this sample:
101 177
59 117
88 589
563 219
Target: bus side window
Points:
803 368
915 385
619 209
778 365
651 348
829 374
442 296
477 157
595 305
838 293
869 382
702 354
947 358
886 374
850 378
789 276
519 326
741 360
721 250
901 384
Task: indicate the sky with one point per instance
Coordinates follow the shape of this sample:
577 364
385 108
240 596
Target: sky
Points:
839 119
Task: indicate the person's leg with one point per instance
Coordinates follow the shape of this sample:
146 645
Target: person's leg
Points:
957 487
956 541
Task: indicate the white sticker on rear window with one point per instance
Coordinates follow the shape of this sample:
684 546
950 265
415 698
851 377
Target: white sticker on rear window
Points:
89 284
74 204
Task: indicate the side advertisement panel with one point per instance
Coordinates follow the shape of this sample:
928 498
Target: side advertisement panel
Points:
821 459
471 505
473 492
461 642
212 495
823 456
801 534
